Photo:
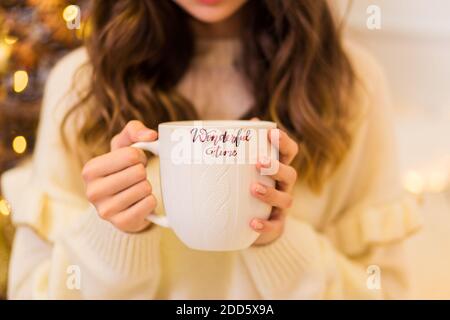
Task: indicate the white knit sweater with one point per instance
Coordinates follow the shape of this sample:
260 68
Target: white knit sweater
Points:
360 219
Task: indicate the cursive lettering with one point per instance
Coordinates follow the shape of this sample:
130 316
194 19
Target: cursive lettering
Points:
216 137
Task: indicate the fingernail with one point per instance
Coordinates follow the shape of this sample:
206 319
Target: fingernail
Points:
260 189
145 134
257 225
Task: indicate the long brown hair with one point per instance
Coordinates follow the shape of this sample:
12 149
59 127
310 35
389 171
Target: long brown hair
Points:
293 58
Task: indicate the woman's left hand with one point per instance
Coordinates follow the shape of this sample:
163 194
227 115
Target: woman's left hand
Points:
280 197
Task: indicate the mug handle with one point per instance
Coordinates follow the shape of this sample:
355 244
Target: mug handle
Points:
153 147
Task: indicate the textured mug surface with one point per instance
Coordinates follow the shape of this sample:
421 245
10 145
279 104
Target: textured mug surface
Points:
206 169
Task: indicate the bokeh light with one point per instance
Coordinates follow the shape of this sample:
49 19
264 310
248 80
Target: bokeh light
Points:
80 31
10 40
414 182
4 207
437 181
19 144
20 81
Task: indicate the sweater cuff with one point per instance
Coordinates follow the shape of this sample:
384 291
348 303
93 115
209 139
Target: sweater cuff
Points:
278 267
112 251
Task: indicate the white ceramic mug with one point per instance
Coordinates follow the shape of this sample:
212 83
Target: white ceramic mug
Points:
206 170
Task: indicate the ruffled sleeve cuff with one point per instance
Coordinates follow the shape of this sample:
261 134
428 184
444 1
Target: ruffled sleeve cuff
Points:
357 231
69 220
298 256
33 207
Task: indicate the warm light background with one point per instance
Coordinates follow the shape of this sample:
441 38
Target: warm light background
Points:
413 46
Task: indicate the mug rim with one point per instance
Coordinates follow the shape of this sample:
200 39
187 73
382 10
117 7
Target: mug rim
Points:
220 124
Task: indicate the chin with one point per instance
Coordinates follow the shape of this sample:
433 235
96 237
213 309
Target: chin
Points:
211 11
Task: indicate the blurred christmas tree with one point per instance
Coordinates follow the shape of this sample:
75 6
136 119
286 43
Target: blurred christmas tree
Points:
34 34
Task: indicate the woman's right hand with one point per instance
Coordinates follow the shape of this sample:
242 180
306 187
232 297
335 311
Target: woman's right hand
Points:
116 182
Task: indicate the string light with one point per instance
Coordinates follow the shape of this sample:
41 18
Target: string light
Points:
70 13
413 182
437 181
79 33
5 53
19 144
85 30
4 207
20 81
10 40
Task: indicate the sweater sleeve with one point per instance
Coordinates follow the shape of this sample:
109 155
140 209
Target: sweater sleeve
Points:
87 263
357 249
62 249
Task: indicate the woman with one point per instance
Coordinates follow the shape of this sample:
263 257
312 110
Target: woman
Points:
337 208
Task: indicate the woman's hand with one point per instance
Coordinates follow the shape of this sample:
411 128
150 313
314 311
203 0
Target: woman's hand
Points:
116 182
280 197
